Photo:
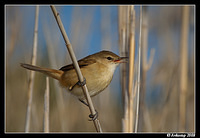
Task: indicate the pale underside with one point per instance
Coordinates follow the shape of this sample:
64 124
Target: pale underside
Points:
97 79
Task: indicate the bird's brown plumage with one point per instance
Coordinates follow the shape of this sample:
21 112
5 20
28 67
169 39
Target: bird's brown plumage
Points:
97 69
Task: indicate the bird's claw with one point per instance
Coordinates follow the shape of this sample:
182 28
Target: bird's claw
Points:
93 117
78 83
81 83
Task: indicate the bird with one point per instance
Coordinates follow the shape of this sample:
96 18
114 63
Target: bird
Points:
97 70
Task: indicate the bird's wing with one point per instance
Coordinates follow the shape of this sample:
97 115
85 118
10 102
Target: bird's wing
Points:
82 63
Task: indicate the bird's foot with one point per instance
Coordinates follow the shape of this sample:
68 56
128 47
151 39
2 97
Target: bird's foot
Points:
81 83
93 117
78 83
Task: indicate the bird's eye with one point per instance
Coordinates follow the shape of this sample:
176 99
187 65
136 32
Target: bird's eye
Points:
109 58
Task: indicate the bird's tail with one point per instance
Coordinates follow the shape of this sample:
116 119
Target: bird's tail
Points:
56 74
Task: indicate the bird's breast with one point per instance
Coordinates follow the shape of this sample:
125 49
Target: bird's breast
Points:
97 76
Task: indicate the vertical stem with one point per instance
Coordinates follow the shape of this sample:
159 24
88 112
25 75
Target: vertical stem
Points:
124 86
138 77
123 47
183 68
131 66
32 75
46 107
144 70
76 66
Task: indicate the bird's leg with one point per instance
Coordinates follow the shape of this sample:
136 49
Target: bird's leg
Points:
78 83
93 117
84 102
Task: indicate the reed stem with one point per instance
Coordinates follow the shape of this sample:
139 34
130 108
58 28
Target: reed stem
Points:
131 67
183 68
138 75
76 66
32 73
46 107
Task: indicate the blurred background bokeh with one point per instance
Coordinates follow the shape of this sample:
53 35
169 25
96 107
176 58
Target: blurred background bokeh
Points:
92 29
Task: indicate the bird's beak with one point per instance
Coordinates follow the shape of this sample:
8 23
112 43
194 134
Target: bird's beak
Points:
122 60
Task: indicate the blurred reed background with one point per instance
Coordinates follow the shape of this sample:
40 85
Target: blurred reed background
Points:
91 29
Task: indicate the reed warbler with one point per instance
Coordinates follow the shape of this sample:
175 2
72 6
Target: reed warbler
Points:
97 69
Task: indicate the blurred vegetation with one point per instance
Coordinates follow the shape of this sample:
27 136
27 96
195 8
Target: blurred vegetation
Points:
91 29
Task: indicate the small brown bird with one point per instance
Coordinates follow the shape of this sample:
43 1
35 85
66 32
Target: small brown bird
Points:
97 69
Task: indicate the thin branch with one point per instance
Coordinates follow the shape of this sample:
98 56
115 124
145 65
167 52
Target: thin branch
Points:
183 68
131 66
76 66
123 43
53 61
138 77
32 75
46 107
